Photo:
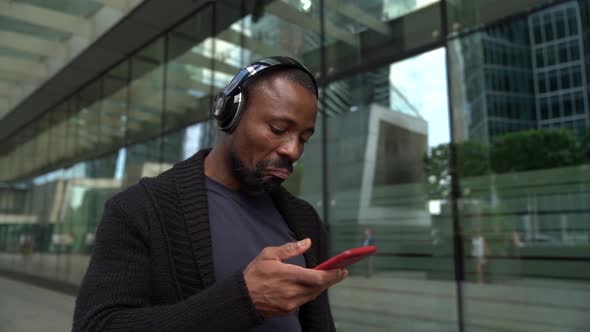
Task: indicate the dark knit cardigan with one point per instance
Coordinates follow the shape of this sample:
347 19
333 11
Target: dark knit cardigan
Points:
152 266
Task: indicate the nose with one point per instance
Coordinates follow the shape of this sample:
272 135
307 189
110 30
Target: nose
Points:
291 148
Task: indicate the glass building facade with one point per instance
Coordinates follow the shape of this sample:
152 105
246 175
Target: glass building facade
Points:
442 123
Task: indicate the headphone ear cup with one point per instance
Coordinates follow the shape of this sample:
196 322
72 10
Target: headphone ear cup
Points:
219 110
225 109
235 109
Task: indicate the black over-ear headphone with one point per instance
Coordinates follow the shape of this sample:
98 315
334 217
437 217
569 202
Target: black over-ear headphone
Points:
229 103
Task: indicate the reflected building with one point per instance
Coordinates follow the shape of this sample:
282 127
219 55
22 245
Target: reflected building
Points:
377 142
559 50
527 74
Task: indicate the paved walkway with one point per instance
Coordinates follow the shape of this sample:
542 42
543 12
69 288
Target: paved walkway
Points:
31 308
382 303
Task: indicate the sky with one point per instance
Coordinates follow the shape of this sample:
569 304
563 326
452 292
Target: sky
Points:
422 79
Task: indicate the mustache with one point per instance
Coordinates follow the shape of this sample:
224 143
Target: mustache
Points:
280 163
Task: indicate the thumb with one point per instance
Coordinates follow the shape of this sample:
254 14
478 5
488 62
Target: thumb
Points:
286 251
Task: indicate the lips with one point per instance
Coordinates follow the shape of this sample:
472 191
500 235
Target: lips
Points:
279 172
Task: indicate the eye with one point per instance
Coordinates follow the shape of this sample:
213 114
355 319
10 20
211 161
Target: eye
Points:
277 131
303 141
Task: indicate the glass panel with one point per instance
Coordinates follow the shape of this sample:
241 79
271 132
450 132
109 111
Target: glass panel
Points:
523 210
71 147
188 72
58 133
42 143
144 118
389 127
258 30
29 148
140 160
183 143
89 109
362 32
466 14
113 115
289 28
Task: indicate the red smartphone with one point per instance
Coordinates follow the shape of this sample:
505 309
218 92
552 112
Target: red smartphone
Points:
347 258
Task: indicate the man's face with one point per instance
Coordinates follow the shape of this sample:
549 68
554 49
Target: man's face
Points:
272 132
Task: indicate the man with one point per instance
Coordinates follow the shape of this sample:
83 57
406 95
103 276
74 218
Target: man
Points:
215 243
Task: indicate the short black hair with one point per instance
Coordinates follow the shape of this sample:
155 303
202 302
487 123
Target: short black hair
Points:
291 74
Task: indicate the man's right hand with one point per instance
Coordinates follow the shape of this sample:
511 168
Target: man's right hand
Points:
278 288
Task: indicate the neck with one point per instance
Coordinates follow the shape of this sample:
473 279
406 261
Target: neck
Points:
218 166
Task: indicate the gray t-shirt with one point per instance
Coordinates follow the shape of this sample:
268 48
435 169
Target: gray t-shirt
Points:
241 226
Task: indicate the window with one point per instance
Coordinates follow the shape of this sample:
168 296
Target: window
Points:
567 105
538 36
579 103
577 76
553 80
548 31
565 78
572 23
541 81
560 24
540 58
550 55
555 113
574 51
563 52
544 109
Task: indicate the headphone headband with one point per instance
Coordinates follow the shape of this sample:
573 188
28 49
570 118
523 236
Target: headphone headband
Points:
229 103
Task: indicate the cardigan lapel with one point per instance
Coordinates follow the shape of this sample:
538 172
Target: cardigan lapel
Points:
190 182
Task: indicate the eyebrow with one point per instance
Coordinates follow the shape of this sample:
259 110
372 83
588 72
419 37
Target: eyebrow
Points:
293 124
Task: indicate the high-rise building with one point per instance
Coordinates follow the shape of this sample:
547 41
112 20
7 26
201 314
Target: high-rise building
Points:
528 73
558 48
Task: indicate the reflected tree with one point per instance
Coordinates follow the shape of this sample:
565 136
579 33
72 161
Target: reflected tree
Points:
472 160
535 149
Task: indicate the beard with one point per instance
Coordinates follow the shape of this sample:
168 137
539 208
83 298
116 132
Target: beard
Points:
255 179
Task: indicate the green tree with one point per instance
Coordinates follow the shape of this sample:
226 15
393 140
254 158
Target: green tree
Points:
472 160
513 152
534 149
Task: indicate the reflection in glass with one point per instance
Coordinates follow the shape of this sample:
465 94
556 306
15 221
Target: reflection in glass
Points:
144 116
188 75
88 133
113 115
522 159
382 126
361 33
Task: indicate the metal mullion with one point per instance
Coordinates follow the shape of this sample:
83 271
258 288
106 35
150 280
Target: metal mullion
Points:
455 187
164 95
324 129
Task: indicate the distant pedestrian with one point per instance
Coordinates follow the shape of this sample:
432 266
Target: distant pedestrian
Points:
478 251
369 240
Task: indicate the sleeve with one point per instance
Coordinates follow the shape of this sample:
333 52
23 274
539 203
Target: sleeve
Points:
115 292
317 315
